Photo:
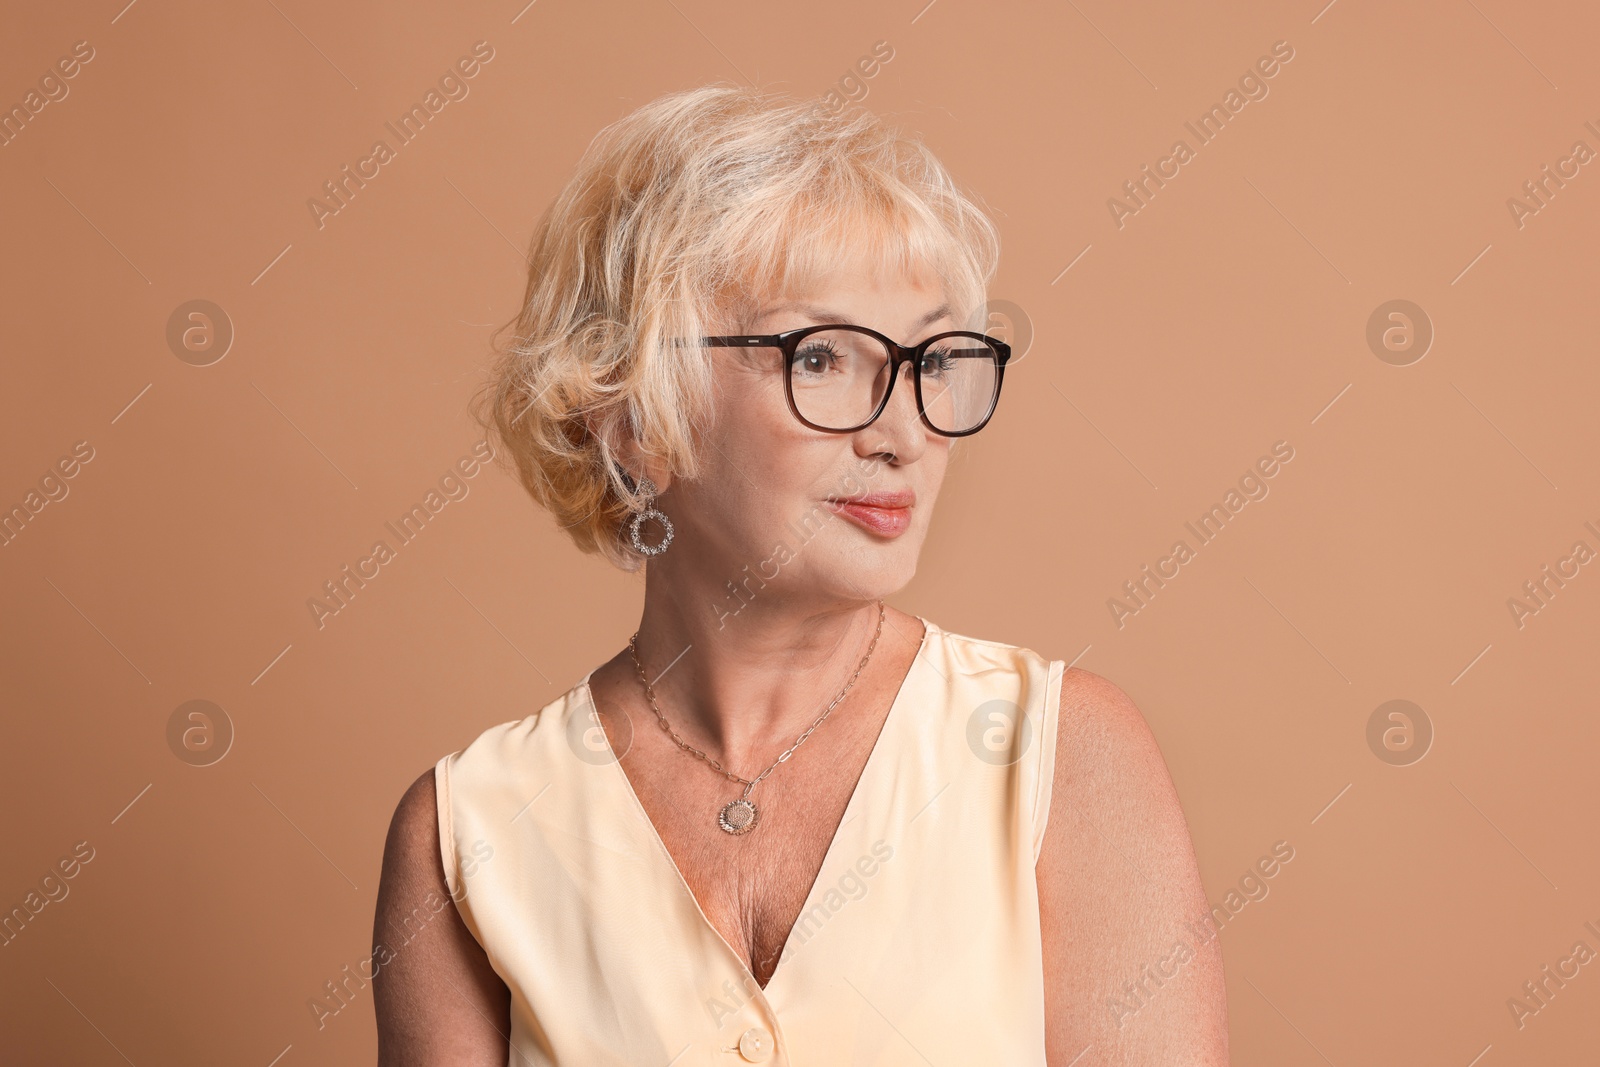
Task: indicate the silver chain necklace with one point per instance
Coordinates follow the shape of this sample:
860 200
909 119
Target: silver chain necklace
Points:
739 816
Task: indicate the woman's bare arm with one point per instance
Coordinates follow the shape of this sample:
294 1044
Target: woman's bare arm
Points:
437 999
1133 973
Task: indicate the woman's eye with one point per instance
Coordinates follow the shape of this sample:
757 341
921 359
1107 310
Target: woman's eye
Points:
937 361
815 359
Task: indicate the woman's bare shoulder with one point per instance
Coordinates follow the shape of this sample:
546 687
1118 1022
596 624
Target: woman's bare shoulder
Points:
415 823
1110 775
1099 721
436 996
1120 893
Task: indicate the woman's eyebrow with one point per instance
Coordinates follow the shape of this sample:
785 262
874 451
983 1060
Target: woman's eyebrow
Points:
821 315
811 311
942 311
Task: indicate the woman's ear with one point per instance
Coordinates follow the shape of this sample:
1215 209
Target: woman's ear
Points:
639 465
626 454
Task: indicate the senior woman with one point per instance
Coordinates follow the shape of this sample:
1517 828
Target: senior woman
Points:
787 823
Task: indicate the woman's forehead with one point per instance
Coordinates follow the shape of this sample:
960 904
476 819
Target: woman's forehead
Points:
907 310
836 290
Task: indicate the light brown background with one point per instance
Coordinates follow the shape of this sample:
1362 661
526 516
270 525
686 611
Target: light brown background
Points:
1223 317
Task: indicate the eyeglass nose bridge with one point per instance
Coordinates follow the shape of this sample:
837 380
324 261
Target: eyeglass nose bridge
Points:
902 356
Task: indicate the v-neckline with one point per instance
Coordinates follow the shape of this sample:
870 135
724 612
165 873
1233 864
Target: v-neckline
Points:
874 757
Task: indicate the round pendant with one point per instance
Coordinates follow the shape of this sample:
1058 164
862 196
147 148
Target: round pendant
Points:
738 817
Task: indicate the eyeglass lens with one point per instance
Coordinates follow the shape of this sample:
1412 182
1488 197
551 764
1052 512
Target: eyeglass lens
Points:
838 378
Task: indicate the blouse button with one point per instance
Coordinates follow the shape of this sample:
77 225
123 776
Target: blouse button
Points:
755 1044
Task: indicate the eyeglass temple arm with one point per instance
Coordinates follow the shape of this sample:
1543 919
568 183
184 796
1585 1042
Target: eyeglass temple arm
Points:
741 341
731 341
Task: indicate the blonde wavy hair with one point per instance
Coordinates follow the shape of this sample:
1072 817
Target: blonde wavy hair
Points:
680 218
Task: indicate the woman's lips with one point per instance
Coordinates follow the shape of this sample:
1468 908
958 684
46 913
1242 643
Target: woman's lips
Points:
874 517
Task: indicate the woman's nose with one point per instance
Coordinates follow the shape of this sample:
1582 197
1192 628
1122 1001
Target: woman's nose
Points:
900 421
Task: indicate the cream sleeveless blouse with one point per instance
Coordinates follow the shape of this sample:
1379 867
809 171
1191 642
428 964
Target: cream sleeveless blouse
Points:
919 941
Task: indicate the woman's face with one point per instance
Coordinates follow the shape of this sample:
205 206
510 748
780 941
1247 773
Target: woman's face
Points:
760 513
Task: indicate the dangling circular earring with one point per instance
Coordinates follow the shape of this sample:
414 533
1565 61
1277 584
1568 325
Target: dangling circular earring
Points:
650 512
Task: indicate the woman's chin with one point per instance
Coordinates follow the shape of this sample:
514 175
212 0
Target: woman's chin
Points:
871 575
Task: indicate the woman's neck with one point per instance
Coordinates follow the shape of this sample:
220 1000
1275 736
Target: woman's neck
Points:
735 683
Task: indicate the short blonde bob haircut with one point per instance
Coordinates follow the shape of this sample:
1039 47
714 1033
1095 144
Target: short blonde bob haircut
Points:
681 219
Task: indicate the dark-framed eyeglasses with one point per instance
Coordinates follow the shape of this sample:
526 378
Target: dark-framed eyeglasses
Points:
838 378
